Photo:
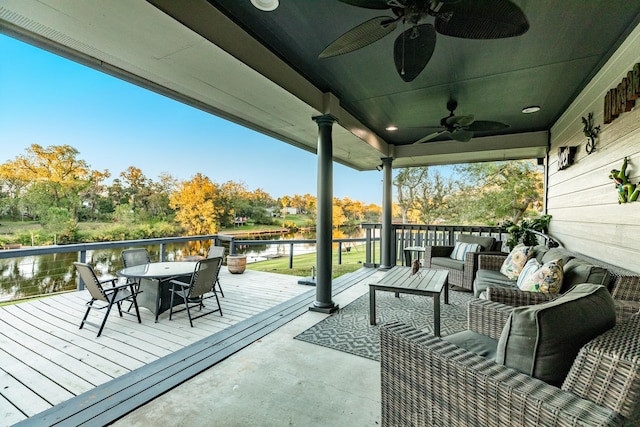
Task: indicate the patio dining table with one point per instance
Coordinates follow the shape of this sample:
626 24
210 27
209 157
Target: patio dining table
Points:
154 282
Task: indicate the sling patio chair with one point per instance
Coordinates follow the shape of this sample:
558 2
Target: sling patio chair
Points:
217 252
133 257
201 287
115 294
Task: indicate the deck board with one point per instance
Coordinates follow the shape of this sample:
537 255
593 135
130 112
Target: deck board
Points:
45 359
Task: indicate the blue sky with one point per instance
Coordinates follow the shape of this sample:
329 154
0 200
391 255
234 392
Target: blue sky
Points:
48 100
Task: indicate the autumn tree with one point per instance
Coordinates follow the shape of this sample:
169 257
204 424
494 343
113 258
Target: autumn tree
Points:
338 217
52 176
194 202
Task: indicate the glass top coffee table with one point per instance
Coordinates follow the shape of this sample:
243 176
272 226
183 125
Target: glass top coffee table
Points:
426 282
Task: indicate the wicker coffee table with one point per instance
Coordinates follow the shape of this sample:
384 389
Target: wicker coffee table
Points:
426 282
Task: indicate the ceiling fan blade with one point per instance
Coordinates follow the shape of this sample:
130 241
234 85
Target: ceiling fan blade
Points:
360 36
486 126
487 19
430 136
462 135
460 120
413 49
368 4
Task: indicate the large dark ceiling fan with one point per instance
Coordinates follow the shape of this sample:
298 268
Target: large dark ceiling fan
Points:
461 128
469 19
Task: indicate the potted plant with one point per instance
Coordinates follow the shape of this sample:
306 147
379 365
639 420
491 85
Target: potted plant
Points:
525 231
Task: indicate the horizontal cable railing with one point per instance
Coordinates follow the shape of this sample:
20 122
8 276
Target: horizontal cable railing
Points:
33 271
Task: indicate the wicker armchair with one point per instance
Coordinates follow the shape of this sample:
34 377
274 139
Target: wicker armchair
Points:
461 274
427 381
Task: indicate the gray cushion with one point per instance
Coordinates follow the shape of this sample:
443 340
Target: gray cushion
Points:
484 241
539 251
543 340
490 279
448 263
474 342
557 253
579 271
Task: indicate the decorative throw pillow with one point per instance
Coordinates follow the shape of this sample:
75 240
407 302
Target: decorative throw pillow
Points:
542 340
461 249
545 278
517 258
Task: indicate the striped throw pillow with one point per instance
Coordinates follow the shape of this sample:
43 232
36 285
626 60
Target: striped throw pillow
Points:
461 249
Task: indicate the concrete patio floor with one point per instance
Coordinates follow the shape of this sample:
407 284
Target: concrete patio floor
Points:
276 381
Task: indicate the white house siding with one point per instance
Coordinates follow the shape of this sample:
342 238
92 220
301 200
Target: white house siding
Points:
582 200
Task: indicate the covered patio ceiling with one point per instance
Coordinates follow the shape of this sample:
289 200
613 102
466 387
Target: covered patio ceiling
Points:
261 69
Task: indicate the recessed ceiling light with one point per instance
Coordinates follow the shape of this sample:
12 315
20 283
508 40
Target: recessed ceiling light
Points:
266 5
392 128
531 109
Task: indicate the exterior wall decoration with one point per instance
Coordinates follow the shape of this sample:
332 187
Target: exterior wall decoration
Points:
622 98
566 156
590 132
627 192
586 215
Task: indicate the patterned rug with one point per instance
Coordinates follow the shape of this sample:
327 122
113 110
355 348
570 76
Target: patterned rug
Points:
348 330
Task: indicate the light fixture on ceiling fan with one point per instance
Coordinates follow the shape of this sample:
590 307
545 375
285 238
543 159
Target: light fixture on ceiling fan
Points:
266 5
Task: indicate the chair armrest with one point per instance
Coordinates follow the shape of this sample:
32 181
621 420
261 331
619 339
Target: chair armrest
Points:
470 269
607 370
487 318
183 285
428 381
435 251
626 288
516 298
491 260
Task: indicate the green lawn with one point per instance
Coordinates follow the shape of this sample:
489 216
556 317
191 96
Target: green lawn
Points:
351 261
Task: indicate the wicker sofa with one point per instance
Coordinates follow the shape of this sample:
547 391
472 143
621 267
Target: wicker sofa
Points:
624 285
427 381
461 273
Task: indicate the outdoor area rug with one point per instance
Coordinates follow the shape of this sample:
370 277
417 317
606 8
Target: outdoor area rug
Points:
348 330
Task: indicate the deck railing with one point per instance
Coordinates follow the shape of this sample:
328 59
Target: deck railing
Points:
405 235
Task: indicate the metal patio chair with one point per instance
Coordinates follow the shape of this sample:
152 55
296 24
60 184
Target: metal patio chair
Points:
217 252
133 257
109 295
202 284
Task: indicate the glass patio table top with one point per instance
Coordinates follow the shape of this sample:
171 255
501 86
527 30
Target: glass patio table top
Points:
158 270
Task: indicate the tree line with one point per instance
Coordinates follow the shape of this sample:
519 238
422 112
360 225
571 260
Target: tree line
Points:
54 186
490 193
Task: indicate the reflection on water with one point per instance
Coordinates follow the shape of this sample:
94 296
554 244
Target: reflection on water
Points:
46 274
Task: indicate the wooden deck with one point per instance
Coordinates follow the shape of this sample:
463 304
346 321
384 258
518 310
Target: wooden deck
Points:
46 360
52 373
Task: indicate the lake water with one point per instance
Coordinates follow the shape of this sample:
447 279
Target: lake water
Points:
46 274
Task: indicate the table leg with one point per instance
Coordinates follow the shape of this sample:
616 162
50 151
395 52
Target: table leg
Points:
446 291
372 305
436 315
407 258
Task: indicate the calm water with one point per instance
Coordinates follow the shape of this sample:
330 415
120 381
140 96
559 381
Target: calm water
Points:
46 274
